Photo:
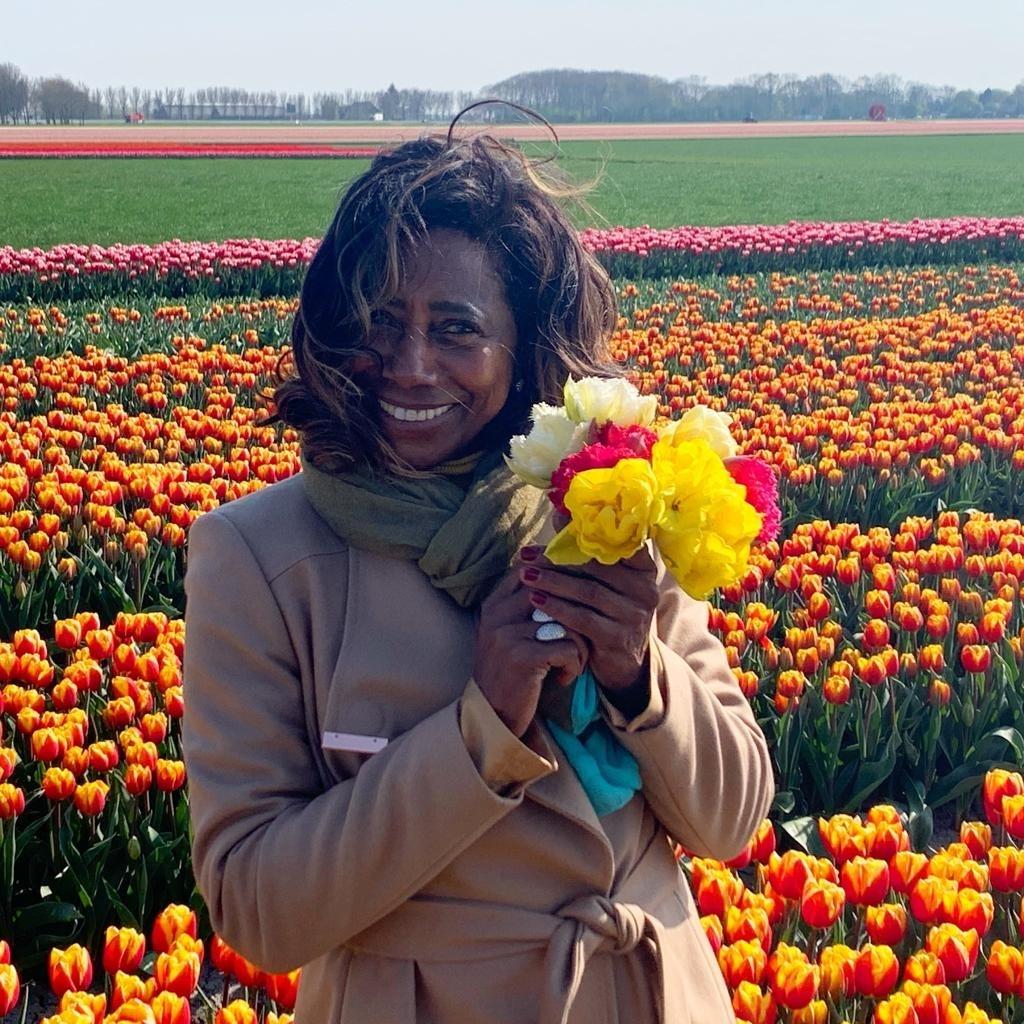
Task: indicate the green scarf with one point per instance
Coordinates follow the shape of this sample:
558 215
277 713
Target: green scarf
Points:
462 524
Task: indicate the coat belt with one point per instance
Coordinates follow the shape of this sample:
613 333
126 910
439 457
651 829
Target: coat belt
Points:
432 929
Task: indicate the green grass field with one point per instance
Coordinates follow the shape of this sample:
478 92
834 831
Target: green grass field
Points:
726 181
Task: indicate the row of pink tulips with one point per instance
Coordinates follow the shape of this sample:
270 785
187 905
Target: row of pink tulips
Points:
67 271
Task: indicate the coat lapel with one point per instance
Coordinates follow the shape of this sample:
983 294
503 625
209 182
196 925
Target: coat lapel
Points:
562 793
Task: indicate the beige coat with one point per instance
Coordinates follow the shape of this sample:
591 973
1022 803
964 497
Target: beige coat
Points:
459 875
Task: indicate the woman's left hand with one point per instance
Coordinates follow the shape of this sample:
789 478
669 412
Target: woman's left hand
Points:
610 606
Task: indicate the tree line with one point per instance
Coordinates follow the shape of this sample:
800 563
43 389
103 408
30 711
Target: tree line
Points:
564 95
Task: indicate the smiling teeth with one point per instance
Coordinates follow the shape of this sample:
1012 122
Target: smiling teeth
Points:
414 415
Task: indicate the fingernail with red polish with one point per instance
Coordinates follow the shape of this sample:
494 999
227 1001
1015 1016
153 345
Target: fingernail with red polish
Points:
529 554
531 575
538 598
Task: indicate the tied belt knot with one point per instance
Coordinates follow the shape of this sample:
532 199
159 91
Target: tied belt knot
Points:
620 926
589 925
430 928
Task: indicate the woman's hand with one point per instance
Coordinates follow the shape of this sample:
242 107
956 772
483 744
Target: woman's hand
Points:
610 606
511 664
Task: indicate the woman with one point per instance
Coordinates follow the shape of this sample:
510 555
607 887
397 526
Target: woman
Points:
374 793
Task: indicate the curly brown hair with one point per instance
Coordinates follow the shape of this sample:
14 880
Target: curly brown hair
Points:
560 296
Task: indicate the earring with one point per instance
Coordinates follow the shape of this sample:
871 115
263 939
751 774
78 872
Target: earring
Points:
519 385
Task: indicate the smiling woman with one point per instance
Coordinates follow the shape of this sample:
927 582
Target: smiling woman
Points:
364 669
440 355
445 267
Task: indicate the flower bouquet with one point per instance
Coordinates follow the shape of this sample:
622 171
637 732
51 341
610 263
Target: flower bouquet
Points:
622 482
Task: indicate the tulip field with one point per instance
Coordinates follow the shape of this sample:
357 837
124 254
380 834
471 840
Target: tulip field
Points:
880 640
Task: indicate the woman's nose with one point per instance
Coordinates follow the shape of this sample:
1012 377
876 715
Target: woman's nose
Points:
412 360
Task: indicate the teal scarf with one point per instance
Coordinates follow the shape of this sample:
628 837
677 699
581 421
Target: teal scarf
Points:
607 771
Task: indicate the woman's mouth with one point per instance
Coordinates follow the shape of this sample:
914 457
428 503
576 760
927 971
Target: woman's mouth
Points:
407 415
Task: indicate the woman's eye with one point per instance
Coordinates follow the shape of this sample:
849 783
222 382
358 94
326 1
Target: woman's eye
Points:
458 328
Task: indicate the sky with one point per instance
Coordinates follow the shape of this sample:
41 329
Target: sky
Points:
333 45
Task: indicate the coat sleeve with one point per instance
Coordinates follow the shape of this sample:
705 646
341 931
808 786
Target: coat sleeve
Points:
704 762
288 869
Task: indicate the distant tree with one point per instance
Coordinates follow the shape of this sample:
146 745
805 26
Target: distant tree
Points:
14 94
60 101
110 95
965 104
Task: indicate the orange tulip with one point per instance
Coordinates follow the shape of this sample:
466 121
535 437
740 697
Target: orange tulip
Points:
972 1014
103 756
930 897
742 961
717 891
748 923
753 1005
977 837
284 988
931 1002
865 880
876 970
838 971
925 968
836 689
236 1012
137 779
67 633
886 923
222 956
170 1008
92 1007
69 969
132 1011
897 1009
91 797
1005 968
154 727
762 846
821 903
126 987
905 868
844 836
976 657
1006 868
170 775
795 983
973 909
58 784
712 929
1012 813
956 948
815 1012
10 988
789 873
174 920
999 783
48 745
177 972
123 950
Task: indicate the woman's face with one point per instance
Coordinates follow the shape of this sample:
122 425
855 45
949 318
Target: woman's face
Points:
447 342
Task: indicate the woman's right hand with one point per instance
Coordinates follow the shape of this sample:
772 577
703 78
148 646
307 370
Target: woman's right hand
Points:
511 664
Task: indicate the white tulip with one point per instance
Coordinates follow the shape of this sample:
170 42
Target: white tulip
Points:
553 436
702 423
609 400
